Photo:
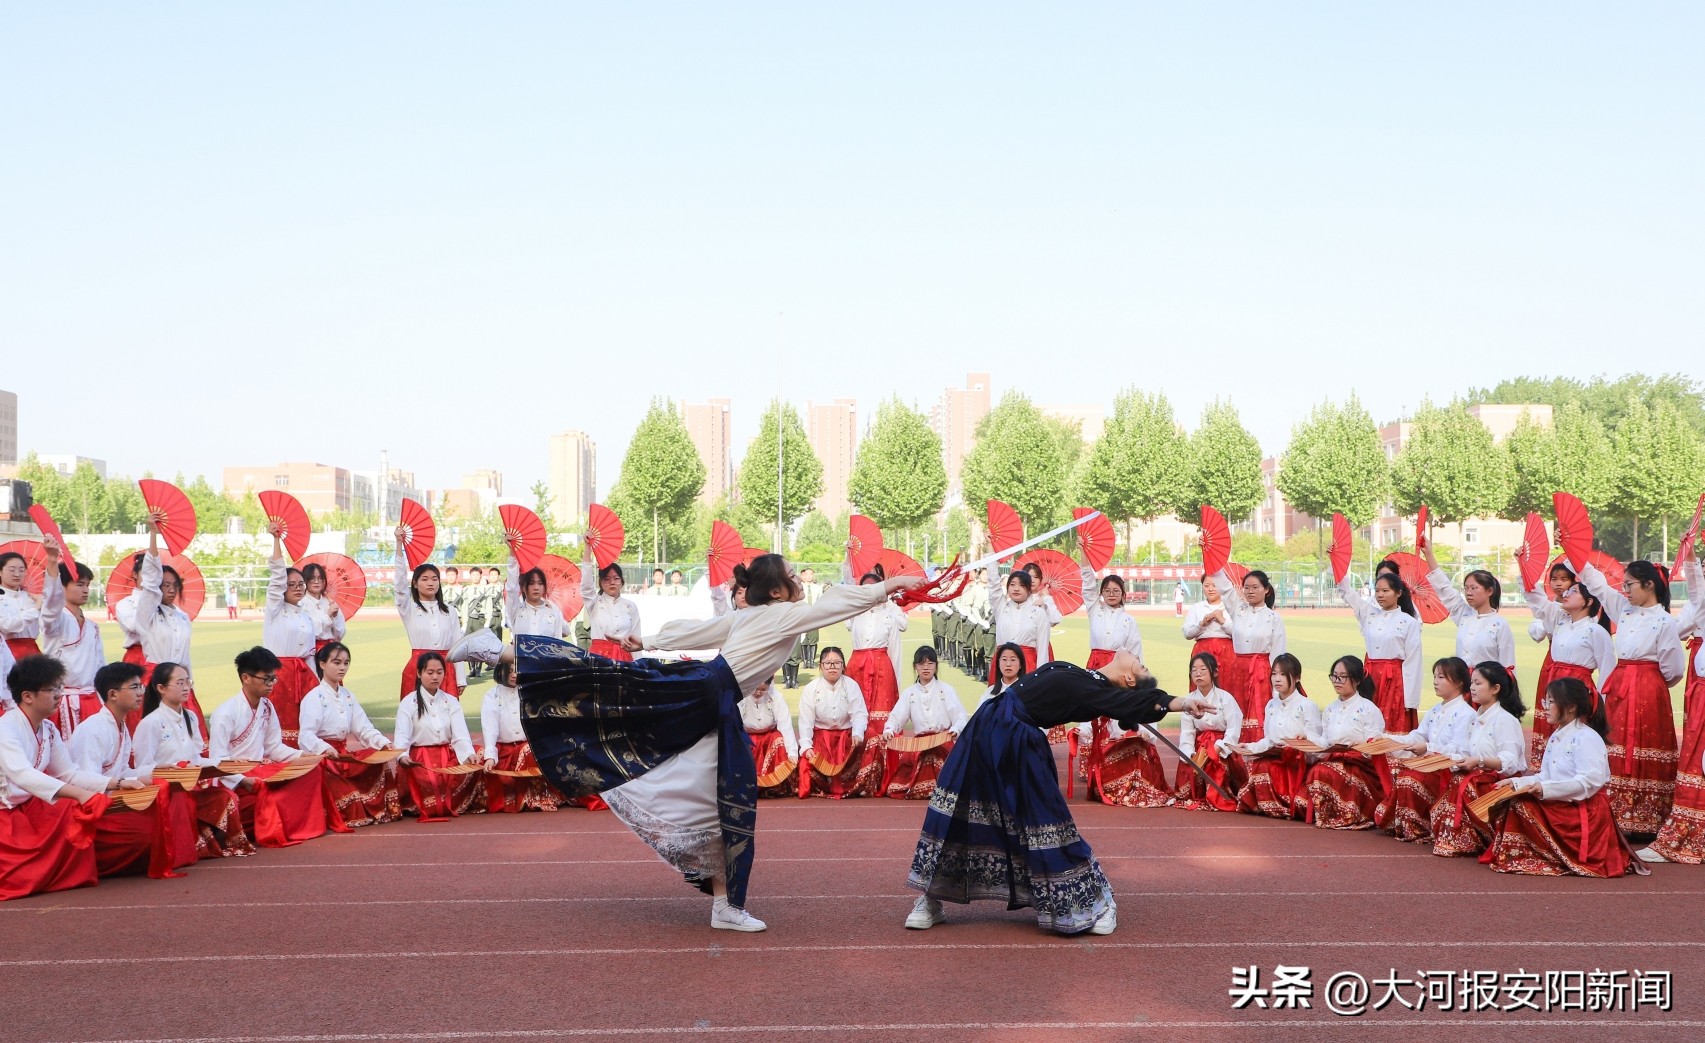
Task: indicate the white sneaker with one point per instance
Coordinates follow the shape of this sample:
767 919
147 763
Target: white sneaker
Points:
481 646
1107 922
732 918
1647 854
926 913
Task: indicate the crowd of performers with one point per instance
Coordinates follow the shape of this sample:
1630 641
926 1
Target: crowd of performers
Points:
681 751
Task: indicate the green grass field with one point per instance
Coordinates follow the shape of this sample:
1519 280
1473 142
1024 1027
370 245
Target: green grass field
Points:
1316 638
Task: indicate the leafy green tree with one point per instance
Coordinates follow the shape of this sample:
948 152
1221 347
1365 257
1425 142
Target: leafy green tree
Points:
1223 468
1603 397
1255 547
1536 468
1016 458
1586 458
662 473
957 531
818 530
541 491
802 479
1451 464
1068 436
212 507
899 479
1659 460
1335 463
128 510
1137 468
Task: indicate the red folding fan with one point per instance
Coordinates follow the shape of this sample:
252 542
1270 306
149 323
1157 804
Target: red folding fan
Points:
1061 578
1343 545
1414 572
865 541
895 563
346 582
1094 538
1612 570
44 522
1216 541
524 533
419 533
1420 528
171 511
1535 550
562 583
1237 573
191 595
604 534
1684 552
283 509
1006 530
1574 526
725 552
35 562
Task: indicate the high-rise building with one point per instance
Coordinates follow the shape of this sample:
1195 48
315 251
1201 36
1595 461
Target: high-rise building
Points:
67 463
321 488
708 426
8 429
572 477
955 419
833 432
485 480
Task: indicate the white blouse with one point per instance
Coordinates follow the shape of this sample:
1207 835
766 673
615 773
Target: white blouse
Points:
1293 717
1197 627
1110 629
1580 642
1481 637
36 763
831 707
608 618
934 707
1692 622
1445 727
1253 629
1393 634
442 723
1496 733
1349 722
287 630
75 643
770 713
1649 633
544 619
428 626
161 630
500 719
237 732
101 747
327 627
328 713
1575 765
1027 624
1225 718
165 737
879 627
20 616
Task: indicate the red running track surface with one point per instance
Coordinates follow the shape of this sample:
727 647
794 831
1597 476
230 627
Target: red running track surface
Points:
565 926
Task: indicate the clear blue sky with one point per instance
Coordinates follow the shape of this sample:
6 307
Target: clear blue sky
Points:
237 234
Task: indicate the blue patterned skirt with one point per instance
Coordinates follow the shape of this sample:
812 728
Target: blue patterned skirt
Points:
596 724
998 826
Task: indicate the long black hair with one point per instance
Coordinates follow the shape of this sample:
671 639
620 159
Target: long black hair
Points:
1266 583
1291 667
414 585
1455 668
1357 672
1509 693
160 678
312 569
420 668
1212 662
1405 600
1595 607
1573 693
1649 575
767 574
1489 582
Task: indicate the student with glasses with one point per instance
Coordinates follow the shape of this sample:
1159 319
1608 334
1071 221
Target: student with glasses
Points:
246 728
169 734
1345 786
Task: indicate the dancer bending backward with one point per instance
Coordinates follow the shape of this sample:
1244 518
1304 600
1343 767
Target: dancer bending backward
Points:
875 668
1111 630
431 623
1345 785
1257 635
1682 838
683 781
610 618
1275 771
1580 642
1391 634
1407 812
998 826
1650 658
1210 740
1496 750
1561 824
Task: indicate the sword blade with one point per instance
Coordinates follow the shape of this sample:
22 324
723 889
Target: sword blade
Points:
990 559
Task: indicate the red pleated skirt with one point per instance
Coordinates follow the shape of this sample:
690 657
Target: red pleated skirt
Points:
437 797
610 650
1345 790
283 814
911 776
833 747
1541 722
411 680
1456 832
1557 838
1641 746
506 793
1128 774
873 671
1407 810
1275 787
145 842
47 845
1221 648
1193 792
295 680
769 753
1387 677
1682 838
1254 687
218 823
359 794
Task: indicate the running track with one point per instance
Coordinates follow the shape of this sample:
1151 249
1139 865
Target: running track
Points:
564 926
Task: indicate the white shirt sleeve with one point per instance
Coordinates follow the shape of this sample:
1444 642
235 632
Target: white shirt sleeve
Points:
1592 773
860 713
459 739
20 770
1412 667
276 577
405 724
784 724
807 716
308 725
399 587
275 748
901 712
489 718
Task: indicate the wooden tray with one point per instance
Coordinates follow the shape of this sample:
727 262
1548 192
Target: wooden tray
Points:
526 773
1304 745
1481 807
457 769
783 772
1429 762
135 799
1380 745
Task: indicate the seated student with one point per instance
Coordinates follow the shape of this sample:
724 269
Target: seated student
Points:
170 735
53 830
1122 767
1211 737
1496 749
334 726
276 814
832 721
769 728
1561 823
1407 811
101 745
1344 786
431 728
1275 771
932 707
504 748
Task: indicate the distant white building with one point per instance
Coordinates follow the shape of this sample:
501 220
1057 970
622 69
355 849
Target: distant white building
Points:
67 464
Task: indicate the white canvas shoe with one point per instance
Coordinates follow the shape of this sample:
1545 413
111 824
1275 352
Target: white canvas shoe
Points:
926 913
1647 854
481 646
1107 922
732 918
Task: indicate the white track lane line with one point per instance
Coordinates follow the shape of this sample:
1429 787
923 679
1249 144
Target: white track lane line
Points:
423 834
1064 945
233 865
